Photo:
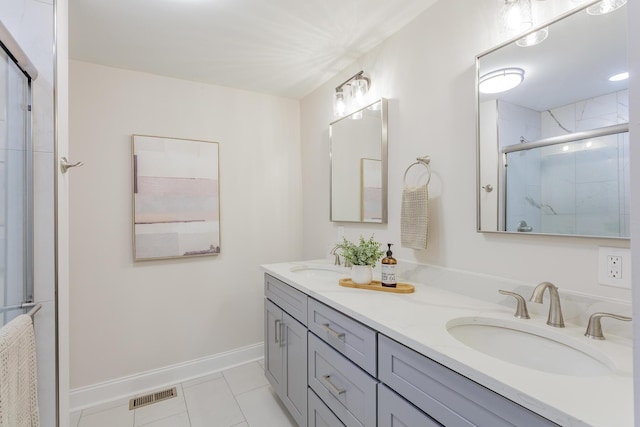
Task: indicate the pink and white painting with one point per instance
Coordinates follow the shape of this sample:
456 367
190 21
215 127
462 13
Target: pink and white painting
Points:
176 201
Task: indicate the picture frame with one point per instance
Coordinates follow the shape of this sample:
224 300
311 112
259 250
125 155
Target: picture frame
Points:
370 190
176 198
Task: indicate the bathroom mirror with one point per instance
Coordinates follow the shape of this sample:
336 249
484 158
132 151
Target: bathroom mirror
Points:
359 165
553 151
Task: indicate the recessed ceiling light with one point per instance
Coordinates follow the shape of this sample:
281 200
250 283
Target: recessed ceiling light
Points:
501 80
618 77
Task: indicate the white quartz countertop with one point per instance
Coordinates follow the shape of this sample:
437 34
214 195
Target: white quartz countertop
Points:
419 321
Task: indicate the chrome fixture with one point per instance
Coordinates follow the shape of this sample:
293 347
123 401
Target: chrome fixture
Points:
488 188
521 308
594 328
336 255
351 94
65 165
500 80
555 311
523 227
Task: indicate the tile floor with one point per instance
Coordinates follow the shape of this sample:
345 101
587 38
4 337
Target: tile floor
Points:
237 397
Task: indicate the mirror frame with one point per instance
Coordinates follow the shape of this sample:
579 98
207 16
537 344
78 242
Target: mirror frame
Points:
384 113
479 188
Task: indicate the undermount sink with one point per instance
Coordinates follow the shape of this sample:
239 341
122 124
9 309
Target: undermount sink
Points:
319 271
529 346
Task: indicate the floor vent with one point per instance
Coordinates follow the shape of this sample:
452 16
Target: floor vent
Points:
151 398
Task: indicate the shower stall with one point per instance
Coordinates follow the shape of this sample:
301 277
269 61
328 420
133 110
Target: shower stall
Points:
16 186
27 251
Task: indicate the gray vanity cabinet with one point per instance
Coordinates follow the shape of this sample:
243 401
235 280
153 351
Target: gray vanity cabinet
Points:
330 370
319 413
285 347
445 395
394 411
345 388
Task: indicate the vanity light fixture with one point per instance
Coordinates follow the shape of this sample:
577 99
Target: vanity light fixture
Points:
516 16
605 6
619 77
339 103
351 94
534 38
501 80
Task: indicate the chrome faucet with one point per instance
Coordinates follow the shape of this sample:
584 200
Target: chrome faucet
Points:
555 311
594 328
336 255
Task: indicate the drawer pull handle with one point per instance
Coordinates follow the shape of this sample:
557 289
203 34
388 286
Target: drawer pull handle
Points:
335 390
283 342
339 335
276 327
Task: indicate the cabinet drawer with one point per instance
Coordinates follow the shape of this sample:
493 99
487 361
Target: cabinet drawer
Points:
319 414
346 389
348 336
394 411
287 298
445 395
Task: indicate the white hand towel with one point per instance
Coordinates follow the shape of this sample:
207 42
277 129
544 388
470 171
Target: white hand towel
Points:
414 217
18 381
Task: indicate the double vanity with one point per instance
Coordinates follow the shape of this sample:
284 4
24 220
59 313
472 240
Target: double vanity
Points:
451 354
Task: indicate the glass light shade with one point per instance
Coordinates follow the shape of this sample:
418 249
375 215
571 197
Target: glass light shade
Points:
516 16
359 91
356 116
501 80
339 103
605 6
534 38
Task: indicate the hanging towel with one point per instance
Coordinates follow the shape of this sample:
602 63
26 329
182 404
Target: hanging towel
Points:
18 382
414 217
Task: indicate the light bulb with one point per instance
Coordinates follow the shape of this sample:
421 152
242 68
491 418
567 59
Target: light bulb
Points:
339 104
360 89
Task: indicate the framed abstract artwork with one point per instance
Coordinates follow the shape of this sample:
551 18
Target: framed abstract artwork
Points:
371 190
176 198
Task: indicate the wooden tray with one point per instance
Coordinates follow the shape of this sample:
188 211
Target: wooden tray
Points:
376 285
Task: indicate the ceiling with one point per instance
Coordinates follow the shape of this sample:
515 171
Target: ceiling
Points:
280 47
572 64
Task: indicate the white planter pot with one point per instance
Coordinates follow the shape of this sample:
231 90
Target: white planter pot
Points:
361 274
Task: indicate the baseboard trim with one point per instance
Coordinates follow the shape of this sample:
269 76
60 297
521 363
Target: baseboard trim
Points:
129 386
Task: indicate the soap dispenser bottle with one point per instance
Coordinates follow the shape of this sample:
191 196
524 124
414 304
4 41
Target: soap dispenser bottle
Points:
388 269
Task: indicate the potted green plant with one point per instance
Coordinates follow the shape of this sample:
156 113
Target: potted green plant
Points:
363 257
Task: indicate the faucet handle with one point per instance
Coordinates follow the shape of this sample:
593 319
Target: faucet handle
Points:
594 328
521 308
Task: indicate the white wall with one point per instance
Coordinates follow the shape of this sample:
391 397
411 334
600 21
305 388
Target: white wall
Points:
634 134
427 71
128 318
31 24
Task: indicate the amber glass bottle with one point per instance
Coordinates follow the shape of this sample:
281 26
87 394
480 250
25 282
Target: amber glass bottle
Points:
388 269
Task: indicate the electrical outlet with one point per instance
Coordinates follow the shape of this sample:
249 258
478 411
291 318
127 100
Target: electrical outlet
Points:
614 267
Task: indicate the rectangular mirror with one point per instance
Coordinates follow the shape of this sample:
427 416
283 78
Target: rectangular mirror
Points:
553 150
359 165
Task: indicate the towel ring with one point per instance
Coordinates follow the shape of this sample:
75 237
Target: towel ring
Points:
419 161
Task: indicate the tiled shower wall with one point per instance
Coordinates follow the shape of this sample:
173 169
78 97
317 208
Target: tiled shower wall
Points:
568 192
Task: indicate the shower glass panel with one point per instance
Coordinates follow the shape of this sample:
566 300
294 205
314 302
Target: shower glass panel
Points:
16 284
573 188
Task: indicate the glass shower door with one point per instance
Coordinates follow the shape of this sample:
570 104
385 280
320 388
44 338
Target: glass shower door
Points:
16 284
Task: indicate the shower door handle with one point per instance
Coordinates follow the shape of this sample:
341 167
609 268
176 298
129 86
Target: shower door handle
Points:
65 165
